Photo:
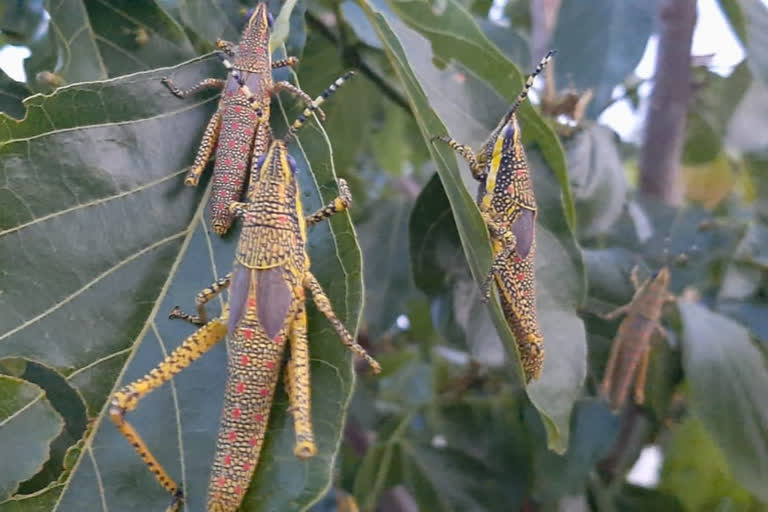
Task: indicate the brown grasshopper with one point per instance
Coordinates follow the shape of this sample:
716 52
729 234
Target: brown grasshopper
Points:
266 312
631 348
240 126
508 207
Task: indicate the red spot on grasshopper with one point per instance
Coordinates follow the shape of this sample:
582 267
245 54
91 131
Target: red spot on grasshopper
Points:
282 219
231 144
240 387
238 109
227 460
235 126
239 490
522 173
244 360
264 392
251 302
270 365
253 441
258 418
236 413
511 189
252 116
246 466
278 339
520 276
228 161
248 333
221 481
232 435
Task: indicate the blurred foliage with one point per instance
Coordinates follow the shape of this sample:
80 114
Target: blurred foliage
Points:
98 239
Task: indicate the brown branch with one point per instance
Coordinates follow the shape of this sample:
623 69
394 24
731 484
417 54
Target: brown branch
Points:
665 124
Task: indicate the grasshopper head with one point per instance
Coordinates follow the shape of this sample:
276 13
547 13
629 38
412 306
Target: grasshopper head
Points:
273 176
253 50
661 278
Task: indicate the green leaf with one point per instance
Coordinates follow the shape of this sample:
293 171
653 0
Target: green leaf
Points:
114 240
696 471
594 430
38 502
597 179
467 81
28 425
601 42
434 244
728 378
90 40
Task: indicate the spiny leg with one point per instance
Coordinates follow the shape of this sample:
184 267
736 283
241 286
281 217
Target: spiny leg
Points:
227 47
478 171
297 380
324 305
210 137
289 87
208 83
610 369
287 62
128 397
500 262
642 373
201 299
616 312
339 204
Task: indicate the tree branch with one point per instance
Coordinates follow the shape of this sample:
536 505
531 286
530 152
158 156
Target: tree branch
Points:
665 124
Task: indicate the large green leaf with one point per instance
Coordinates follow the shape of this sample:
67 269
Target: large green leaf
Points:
93 39
427 86
28 424
696 471
100 239
728 378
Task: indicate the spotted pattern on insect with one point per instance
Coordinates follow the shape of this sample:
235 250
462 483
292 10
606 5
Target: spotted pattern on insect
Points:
266 312
508 207
630 353
240 126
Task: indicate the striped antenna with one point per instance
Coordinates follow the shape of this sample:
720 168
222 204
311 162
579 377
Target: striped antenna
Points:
529 83
249 96
299 122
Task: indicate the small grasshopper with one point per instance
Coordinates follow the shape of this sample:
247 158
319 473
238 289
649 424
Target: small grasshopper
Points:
631 348
239 128
508 207
266 311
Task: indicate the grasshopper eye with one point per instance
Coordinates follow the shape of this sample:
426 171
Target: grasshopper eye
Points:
509 131
292 164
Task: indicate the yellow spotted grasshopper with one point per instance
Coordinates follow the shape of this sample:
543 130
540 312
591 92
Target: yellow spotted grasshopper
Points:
240 126
631 348
266 311
508 207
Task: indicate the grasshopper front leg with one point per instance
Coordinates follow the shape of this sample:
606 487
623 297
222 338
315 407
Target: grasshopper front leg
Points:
324 305
339 204
478 170
201 299
128 397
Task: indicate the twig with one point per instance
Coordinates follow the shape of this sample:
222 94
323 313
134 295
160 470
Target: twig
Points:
665 124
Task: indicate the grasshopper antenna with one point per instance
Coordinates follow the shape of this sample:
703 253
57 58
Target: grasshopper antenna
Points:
302 119
528 84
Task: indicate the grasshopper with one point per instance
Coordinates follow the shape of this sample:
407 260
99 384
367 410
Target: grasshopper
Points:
266 311
239 128
631 348
508 208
